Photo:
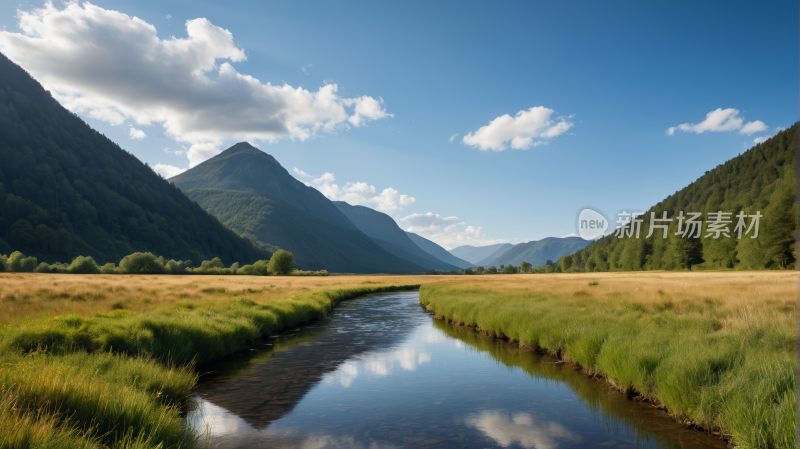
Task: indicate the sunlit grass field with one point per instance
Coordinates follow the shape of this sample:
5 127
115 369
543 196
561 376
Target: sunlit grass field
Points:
716 349
109 360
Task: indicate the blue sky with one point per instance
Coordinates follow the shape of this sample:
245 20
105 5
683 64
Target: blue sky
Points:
606 82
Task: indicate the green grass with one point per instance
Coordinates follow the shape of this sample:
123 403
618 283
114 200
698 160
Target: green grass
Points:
123 380
740 380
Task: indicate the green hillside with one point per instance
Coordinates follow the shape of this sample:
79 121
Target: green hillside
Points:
437 251
244 168
383 230
760 180
538 252
67 190
253 194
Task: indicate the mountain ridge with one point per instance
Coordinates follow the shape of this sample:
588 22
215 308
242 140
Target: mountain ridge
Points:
253 194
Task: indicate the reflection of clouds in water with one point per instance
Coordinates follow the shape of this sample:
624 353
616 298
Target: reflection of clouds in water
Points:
213 420
378 364
328 441
521 428
209 420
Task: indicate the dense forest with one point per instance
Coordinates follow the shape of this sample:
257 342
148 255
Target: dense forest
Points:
66 189
761 180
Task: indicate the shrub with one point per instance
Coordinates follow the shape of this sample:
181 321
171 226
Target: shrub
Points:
108 268
281 263
43 267
18 263
261 268
174 267
83 265
140 263
3 262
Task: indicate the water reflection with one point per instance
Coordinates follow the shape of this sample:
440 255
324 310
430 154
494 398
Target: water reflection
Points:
521 428
380 373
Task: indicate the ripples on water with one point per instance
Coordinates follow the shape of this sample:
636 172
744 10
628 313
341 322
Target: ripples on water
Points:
379 373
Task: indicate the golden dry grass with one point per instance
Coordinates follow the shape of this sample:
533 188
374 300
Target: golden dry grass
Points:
742 299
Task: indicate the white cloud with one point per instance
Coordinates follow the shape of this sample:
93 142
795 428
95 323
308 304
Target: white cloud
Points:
114 67
366 108
753 127
303 68
176 152
359 193
300 173
453 137
200 152
520 130
763 139
720 120
137 134
169 16
168 171
448 232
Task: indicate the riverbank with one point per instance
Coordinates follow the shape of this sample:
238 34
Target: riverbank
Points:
715 349
121 379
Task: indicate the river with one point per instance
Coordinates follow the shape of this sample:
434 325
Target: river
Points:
379 372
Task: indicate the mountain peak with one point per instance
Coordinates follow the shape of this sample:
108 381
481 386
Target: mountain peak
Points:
242 147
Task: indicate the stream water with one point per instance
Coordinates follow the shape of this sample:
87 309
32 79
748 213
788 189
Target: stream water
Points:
380 372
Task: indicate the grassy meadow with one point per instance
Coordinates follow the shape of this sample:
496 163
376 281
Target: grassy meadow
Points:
716 349
110 360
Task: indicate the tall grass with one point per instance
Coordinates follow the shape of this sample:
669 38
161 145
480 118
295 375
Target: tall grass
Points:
708 362
120 379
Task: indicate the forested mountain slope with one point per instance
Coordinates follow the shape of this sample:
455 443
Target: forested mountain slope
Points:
67 190
253 194
760 180
383 230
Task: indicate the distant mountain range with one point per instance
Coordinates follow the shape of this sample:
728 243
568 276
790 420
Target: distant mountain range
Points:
383 230
67 190
478 254
254 195
536 252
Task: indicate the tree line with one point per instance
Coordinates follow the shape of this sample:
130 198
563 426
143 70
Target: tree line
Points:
281 263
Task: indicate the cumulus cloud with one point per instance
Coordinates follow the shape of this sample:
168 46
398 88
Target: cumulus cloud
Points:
449 232
359 193
200 152
136 134
453 137
114 67
167 171
763 139
721 120
753 127
300 173
520 130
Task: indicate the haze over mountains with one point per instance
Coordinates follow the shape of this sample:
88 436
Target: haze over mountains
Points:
383 230
536 252
478 254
